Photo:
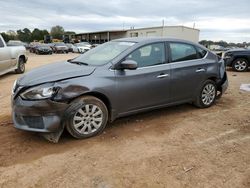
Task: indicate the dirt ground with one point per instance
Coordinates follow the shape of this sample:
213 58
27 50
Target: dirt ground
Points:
180 146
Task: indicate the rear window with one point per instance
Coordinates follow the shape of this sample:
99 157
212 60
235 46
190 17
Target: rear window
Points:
182 52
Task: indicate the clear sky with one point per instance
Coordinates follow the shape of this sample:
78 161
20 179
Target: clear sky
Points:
218 20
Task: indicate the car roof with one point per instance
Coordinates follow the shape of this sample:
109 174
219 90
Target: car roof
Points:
146 40
150 39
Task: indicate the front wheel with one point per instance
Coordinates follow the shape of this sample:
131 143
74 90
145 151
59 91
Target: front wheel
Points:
87 117
21 66
207 95
240 65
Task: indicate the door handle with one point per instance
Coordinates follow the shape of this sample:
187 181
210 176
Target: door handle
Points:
200 70
162 75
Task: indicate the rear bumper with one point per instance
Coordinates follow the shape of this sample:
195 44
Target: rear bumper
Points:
38 116
223 85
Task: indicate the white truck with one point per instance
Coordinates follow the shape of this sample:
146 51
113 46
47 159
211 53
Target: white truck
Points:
12 58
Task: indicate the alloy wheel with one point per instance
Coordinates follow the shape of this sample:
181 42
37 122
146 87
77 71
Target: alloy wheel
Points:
208 94
240 65
88 119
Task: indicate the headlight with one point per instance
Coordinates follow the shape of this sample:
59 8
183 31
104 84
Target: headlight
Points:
39 92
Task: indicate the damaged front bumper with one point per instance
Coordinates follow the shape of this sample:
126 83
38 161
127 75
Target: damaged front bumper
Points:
44 116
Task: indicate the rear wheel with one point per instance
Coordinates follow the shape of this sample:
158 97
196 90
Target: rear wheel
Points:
207 95
21 66
240 65
88 117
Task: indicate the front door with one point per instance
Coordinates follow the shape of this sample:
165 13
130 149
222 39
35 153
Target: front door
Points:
149 84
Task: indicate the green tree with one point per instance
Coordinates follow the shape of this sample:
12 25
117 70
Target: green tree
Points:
69 33
38 34
24 35
57 32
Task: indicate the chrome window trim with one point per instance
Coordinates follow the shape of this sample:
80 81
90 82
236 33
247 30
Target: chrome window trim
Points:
167 63
190 60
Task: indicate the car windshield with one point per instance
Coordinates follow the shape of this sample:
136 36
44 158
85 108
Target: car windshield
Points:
103 53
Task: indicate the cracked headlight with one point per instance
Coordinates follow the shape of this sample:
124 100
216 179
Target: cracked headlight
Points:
39 92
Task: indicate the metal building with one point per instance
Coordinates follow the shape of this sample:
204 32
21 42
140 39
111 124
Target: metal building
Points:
180 32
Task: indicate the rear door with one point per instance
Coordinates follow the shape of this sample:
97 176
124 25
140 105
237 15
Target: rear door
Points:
149 84
188 69
5 59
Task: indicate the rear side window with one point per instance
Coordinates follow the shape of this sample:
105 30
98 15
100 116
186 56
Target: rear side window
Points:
201 52
1 43
182 52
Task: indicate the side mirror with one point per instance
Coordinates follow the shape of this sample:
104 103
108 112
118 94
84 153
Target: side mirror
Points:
128 64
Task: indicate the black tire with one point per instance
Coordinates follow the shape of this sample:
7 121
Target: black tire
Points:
21 66
200 99
240 65
81 104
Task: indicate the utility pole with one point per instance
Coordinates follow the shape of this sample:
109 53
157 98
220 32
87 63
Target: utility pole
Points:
162 27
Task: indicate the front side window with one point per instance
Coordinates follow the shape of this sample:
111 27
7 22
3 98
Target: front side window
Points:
182 52
153 54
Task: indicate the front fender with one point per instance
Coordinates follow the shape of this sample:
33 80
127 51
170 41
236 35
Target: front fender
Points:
70 92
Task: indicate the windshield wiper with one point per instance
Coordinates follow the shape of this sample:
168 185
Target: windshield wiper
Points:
77 62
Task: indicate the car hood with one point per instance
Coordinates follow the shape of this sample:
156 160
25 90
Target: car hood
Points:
54 72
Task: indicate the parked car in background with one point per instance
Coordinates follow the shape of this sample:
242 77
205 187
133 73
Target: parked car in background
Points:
17 43
51 45
116 79
60 47
43 49
238 59
12 58
70 46
82 47
33 46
